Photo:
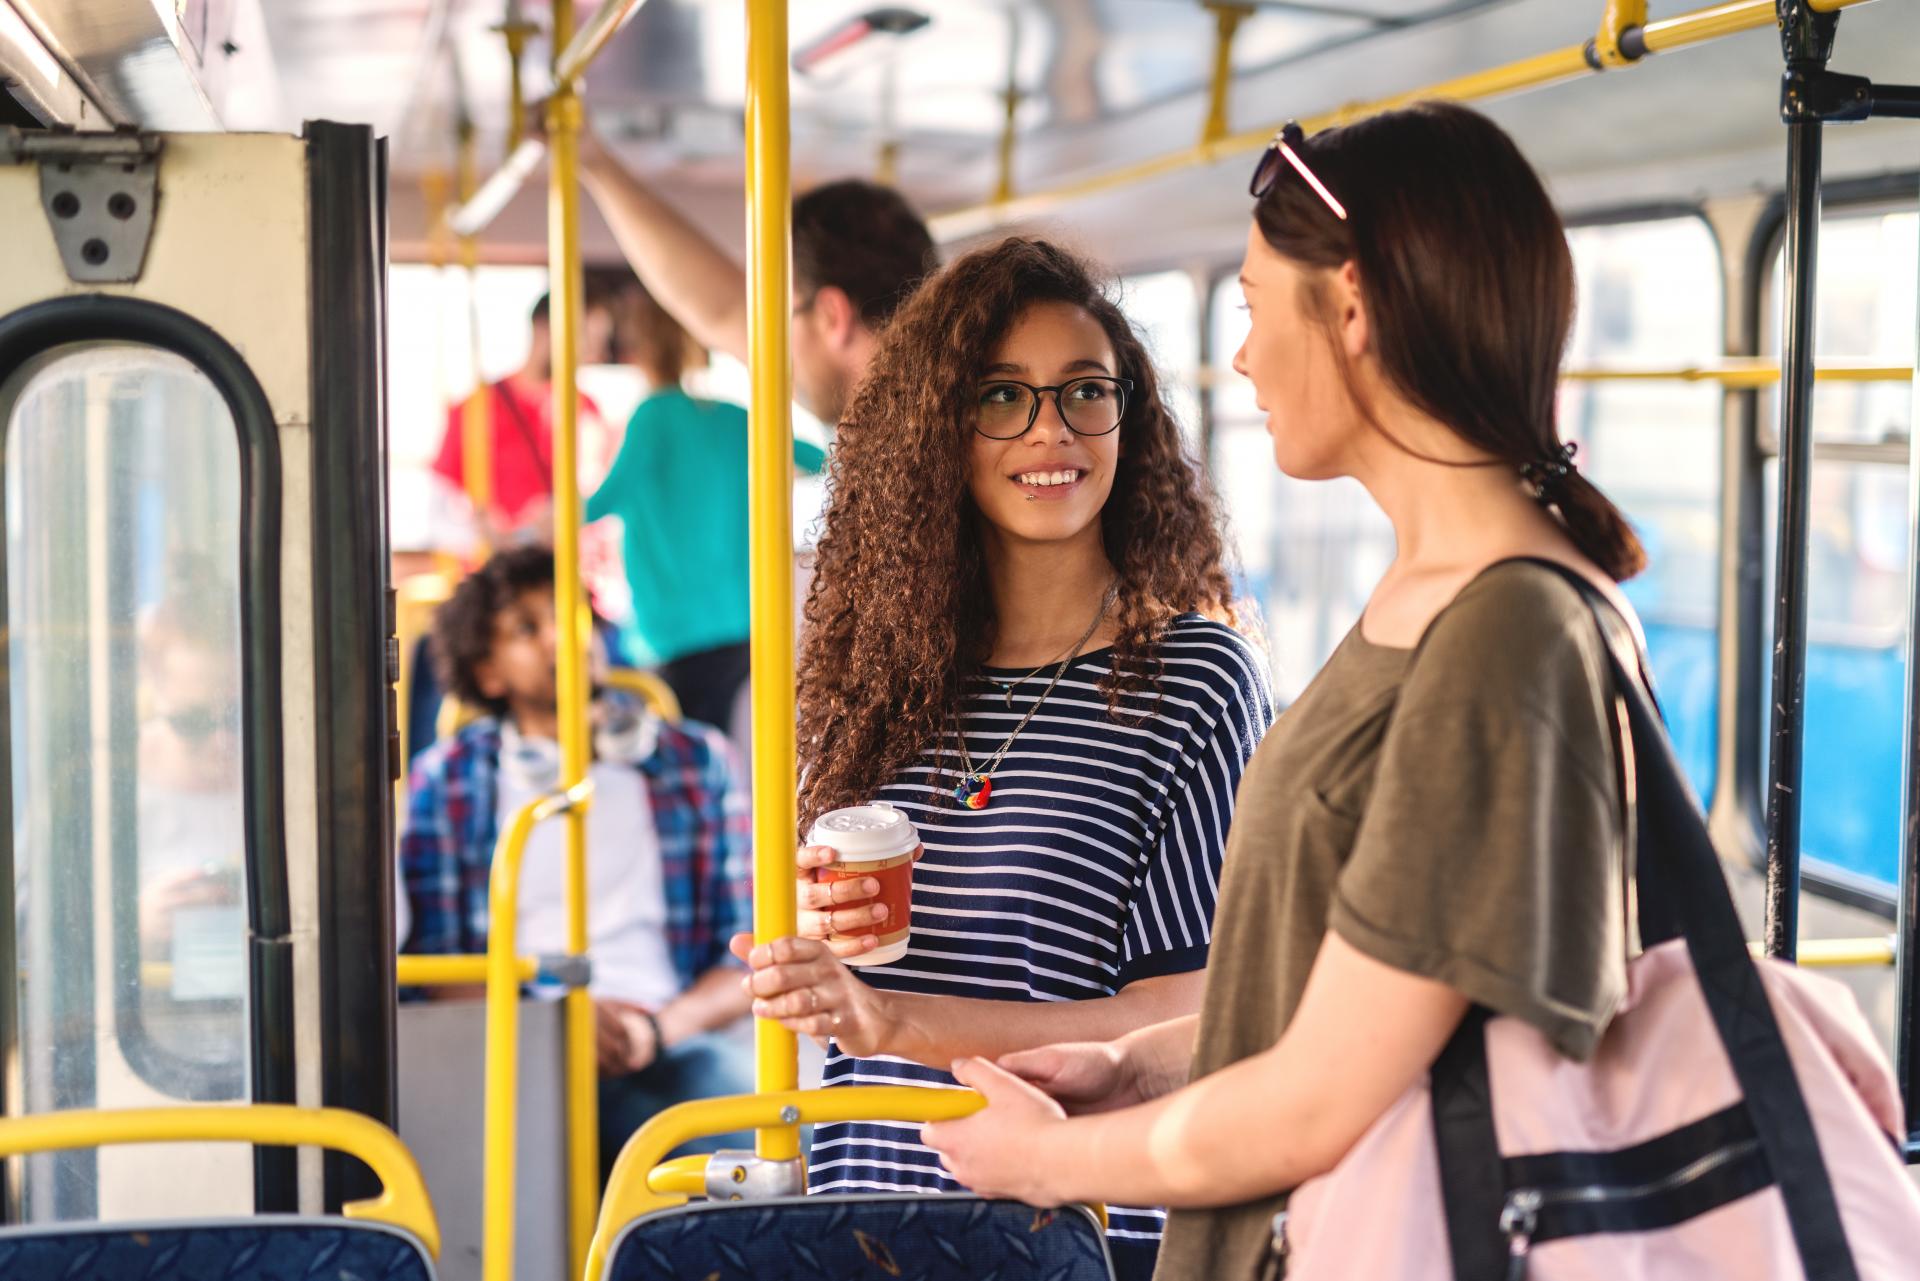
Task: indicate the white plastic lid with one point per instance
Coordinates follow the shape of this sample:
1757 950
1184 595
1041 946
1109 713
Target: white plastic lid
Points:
865 833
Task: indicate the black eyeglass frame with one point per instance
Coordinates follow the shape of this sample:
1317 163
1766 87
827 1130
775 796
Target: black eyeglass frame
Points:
1123 385
1285 149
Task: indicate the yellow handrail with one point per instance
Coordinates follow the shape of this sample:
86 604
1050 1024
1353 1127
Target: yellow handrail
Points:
1226 24
1739 375
1619 17
415 970
632 1190
684 1176
403 1201
576 52
476 415
1548 68
500 1096
770 490
1735 374
1834 954
566 284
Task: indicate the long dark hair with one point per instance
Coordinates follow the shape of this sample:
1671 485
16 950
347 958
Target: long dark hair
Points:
899 612
1468 284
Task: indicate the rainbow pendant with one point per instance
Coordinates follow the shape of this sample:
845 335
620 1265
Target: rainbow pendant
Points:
974 791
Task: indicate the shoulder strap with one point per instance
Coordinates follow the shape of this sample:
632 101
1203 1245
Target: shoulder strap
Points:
525 430
1683 893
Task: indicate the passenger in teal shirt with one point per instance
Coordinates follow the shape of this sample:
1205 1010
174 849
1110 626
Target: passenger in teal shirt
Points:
679 487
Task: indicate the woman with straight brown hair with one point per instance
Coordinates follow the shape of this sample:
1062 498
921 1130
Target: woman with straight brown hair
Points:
1436 821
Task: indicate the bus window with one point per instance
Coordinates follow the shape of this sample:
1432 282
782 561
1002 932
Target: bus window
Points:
1857 584
1165 308
430 366
1309 551
127 794
1650 293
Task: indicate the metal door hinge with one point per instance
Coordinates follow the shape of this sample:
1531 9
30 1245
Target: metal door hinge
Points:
98 191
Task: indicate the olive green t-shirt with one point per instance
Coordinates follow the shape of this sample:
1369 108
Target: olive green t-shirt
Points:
1455 817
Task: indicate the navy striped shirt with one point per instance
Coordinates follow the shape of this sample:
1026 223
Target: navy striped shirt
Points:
1094 865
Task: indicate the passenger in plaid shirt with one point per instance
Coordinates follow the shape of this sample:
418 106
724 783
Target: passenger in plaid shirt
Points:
669 878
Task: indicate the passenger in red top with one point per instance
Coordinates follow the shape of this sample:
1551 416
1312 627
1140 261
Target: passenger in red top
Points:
520 502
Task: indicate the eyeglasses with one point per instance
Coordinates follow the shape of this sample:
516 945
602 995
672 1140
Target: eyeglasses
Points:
1283 148
1091 406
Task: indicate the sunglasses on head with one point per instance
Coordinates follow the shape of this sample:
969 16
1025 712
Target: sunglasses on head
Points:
1282 151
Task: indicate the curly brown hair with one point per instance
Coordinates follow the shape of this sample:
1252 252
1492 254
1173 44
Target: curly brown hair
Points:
899 612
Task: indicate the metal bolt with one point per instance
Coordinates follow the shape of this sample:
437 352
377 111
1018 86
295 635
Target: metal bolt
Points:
739 1174
120 205
65 204
94 252
790 1115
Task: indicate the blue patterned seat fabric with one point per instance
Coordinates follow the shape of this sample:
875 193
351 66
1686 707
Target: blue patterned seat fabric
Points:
263 1248
902 1237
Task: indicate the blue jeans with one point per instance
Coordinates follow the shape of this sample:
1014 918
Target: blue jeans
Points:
701 1068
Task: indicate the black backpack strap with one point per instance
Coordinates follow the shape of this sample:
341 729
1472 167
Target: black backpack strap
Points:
1472 1189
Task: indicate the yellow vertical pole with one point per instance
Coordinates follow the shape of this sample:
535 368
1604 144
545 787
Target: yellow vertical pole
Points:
770 487
1010 114
476 415
1226 24
564 288
516 31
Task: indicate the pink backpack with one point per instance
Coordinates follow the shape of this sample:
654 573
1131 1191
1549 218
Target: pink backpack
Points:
1737 1121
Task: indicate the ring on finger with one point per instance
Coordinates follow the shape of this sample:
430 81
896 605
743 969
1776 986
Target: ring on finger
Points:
813 1000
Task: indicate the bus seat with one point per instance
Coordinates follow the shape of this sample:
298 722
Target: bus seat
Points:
264 1248
650 1231
394 1236
827 1238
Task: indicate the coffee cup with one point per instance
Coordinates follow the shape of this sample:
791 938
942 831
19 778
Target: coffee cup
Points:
874 841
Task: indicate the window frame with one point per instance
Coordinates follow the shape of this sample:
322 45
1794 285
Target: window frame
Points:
1760 444
84 320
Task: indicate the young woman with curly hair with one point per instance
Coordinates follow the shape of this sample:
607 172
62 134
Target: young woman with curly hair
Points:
1017 597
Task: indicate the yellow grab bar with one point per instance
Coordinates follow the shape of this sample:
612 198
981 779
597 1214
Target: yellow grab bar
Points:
632 1191
500 1135
1739 374
403 1201
566 284
770 491
416 970
1834 954
576 53
1568 63
684 1177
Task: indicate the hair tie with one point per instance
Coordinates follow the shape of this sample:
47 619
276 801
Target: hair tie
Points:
1549 473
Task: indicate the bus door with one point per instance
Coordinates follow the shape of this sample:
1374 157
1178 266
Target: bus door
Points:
195 727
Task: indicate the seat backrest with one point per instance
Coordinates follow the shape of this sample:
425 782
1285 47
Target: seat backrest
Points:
842 1238
261 1248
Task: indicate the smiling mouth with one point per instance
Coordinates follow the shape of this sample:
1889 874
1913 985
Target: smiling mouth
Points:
1056 481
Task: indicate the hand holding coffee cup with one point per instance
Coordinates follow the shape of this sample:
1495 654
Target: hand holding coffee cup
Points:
856 882
843 912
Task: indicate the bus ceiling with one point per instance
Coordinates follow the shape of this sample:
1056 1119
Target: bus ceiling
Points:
924 94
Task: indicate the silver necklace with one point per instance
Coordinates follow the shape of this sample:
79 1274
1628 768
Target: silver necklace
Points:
975 788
